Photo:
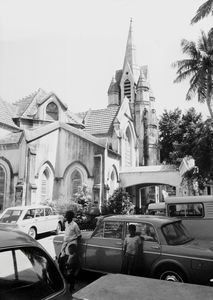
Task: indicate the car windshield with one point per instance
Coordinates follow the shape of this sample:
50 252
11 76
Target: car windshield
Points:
176 234
10 216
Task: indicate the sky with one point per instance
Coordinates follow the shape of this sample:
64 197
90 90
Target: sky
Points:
73 48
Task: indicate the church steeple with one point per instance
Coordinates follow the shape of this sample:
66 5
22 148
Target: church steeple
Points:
130 54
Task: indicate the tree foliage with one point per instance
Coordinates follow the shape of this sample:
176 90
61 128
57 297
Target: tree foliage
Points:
188 135
203 11
198 67
118 203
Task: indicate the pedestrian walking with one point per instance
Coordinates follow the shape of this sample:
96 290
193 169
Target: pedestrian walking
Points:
131 251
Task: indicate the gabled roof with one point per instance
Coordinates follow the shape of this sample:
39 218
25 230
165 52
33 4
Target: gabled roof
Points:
27 107
6 115
99 122
37 133
22 104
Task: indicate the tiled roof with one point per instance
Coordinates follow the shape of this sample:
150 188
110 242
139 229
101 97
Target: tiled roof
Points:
22 104
12 138
6 114
99 122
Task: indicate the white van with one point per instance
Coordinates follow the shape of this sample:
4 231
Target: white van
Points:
196 213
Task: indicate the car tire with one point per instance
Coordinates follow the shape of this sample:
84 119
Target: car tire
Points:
32 232
59 228
172 273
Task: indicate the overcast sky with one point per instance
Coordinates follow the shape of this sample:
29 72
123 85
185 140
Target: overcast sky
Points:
73 48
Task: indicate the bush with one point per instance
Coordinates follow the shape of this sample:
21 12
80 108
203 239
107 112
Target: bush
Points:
118 203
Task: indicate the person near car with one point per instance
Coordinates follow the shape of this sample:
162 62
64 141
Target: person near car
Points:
72 233
131 250
73 266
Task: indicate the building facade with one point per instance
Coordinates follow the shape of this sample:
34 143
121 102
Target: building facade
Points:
47 152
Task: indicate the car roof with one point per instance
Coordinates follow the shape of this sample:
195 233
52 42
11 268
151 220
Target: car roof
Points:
157 220
188 199
13 238
158 205
27 207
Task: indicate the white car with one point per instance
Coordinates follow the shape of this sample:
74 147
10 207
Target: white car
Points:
33 219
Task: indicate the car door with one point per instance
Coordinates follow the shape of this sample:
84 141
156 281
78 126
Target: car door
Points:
50 219
40 221
151 248
104 248
28 220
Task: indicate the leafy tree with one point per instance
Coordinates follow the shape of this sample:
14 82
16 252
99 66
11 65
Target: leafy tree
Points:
169 133
198 66
203 151
194 138
203 11
117 203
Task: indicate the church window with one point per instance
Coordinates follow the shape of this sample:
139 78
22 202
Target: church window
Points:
2 186
128 149
52 112
45 185
127 89
76 182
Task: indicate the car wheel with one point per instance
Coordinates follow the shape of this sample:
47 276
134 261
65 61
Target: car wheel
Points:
173 274
32 232
59 228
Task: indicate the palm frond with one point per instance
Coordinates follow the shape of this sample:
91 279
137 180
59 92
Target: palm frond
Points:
204 10
189 48
183 75
192 88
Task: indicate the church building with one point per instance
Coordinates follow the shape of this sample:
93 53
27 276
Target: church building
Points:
47 152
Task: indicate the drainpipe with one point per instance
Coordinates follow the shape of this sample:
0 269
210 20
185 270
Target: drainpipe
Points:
101 179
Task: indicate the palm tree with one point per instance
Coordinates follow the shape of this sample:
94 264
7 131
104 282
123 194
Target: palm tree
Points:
198 67
203 11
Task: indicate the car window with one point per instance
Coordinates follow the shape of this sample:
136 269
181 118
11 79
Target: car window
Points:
11 216
30 214
145 230
175 233
27 273
186 210
48 211
39 212
113 230
99 232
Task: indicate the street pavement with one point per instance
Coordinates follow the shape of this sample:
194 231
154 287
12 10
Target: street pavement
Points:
47 242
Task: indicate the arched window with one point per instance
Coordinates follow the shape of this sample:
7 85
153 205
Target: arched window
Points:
45 186
52 112
127 89
112 182
2 186
76 181
128 148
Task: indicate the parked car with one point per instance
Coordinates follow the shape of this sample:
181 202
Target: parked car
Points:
168 253
33 220
27 271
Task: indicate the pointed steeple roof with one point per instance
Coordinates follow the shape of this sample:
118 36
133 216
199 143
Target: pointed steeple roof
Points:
142 81
113 88
130 54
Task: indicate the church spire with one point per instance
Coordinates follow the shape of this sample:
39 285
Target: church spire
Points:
130 54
